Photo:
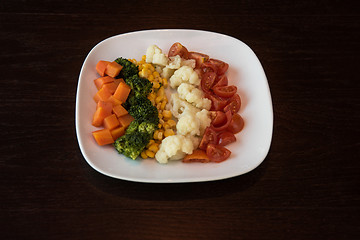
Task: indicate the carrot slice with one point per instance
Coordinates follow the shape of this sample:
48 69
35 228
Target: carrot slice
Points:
113 69
99 116
117 81
99 82
119 110
117 132
103 137
125 120
122 92
101 67
107 106
102 95
113 100
197 155
111 87
111 122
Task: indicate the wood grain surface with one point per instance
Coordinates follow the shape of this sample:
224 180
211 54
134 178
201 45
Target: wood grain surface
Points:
307 187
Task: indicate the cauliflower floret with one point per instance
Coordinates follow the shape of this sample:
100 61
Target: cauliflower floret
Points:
184 74
205 120
188 123
167 72
175 62
154 55
193 95
179 106
174 147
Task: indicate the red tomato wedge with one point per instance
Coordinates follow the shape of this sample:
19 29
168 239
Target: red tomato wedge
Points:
178 49
207 81
234 104
200 58
225 91
217 153
217 103
221 67
210 136
226 124
226 138
221 81
219 118
236 124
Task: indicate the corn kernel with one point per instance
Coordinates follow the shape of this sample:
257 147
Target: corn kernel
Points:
171 122
152 141
159 125
156 85
168 132
150 154
158 99
151 78
165 82
163 104
167 114
156 74
144 155
154 147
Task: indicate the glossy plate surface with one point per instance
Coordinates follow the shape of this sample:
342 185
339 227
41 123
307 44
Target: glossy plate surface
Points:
245 72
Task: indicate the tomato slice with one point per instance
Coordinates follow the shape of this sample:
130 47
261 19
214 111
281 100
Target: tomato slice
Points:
207 81
234 104
221 66
228 115
217 153
208 67
217 103
178 49
236 124
225 91
198 155
221 81
200 58
226 138
210 136
219 118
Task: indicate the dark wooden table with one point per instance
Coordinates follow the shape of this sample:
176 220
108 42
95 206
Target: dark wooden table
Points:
307 187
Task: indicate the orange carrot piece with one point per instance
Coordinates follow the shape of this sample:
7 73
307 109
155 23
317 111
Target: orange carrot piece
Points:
197 155
101 67
117 81
99 116
103 137
119 110
107 106
125 120
122 92
117 132
111 87
99 82
113 69
113 100
102 95
111 122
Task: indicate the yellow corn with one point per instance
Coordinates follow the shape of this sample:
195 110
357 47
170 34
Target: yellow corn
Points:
163 104
144 155
167 114
154 147
150 153
171 122
168 132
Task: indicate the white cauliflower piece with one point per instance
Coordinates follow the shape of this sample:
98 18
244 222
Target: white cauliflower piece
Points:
188 123
184 74
188 62
174 147
167 72
175 62
154 55
179 106
205 120
193 95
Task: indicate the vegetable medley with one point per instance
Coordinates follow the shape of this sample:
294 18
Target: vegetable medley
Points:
135 116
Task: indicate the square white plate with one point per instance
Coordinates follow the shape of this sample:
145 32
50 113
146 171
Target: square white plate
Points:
245 71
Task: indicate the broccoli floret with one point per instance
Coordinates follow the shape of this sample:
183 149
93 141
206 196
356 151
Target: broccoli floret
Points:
142 110
139 85
148 127
131 145
129 69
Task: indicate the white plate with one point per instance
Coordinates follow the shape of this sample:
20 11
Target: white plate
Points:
245 71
